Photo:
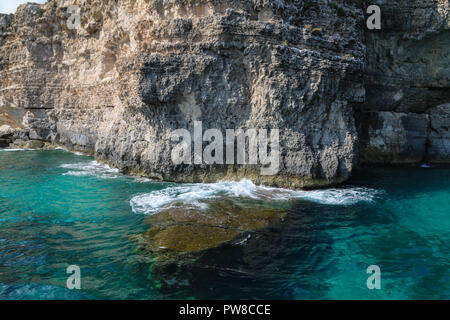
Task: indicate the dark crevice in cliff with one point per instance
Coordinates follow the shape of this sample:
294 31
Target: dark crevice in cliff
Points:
427 142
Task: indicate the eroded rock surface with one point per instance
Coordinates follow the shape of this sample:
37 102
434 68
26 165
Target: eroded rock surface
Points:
393 137
138 70
439 134
407 77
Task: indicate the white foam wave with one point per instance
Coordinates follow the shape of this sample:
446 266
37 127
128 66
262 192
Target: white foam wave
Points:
143 180
92 168
67 150
242 242
192 195
16 149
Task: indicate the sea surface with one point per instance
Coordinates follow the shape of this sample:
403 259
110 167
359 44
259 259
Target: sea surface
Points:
59 209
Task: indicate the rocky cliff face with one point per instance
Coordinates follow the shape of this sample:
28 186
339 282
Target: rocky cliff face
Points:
407 81
137 70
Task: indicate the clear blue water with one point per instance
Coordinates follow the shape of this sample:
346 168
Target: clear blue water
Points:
58 209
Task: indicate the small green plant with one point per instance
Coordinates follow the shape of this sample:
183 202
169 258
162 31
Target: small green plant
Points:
284 43
10 23
40 12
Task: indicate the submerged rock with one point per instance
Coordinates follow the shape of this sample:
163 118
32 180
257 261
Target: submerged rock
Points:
180 238
179 231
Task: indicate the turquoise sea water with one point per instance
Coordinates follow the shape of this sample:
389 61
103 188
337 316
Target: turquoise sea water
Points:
59 209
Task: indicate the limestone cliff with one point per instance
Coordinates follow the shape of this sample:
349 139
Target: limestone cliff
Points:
405 118
137 70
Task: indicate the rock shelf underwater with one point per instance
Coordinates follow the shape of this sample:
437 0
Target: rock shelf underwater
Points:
134 238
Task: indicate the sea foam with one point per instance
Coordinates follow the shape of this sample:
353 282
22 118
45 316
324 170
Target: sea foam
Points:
16 150
67 150
92 168
192 195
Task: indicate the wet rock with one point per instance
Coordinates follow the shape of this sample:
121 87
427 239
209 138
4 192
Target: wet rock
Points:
180 240
253 256
191 230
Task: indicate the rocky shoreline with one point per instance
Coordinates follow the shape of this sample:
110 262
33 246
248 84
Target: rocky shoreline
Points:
341 95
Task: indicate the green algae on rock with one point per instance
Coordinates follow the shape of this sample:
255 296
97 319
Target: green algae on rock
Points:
192 230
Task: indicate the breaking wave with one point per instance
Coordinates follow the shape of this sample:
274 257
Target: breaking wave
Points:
92 168
16 149
143 180
67 150
192 195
